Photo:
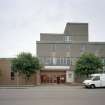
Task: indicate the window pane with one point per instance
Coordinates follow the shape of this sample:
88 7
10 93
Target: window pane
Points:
67 38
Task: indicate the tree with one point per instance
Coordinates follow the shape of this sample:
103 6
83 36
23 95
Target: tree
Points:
87 64
25 64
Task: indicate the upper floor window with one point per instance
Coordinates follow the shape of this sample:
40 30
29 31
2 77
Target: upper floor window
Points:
97 51
48 60
67 38
68 46
63 61
82 49
53 47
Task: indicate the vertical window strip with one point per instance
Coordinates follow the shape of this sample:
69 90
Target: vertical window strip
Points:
67 38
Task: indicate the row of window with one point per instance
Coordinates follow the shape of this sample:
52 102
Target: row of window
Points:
55 61
63 61
65 47
66 39
60 60
54 46
83 48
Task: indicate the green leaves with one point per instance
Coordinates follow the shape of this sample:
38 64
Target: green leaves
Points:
25 64
87 64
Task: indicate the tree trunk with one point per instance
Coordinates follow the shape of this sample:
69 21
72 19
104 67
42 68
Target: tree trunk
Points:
17 79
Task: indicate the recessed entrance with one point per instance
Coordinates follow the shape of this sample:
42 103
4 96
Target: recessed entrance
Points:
57 77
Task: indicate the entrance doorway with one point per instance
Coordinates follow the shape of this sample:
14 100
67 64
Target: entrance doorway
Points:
58 77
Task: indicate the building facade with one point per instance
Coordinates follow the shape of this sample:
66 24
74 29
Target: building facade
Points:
8 77
59 52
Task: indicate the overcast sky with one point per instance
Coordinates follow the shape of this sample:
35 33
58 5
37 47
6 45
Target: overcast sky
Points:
22 21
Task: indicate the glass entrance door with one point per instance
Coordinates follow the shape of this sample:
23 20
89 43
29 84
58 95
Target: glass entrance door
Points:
53 78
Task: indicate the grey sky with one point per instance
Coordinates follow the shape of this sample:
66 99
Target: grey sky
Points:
22 21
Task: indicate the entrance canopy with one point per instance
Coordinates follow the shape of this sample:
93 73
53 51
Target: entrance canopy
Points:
57 68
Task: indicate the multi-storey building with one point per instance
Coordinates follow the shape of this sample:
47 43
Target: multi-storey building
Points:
59 52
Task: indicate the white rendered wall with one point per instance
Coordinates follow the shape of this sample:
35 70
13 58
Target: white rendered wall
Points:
69 76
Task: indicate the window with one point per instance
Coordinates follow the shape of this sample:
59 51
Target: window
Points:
63 61
67 46
82 48
68 61
60 61
97 52
48 61
54 61
67 38
12 76
53 47
96 78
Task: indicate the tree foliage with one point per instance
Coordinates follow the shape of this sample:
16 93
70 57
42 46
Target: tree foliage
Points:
87 64
25 64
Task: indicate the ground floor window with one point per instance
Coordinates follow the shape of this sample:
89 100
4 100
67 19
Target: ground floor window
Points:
53 77
12 76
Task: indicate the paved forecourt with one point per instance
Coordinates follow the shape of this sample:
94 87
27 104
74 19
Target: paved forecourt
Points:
52 95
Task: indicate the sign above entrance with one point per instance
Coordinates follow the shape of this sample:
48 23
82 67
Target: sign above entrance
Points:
57 67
